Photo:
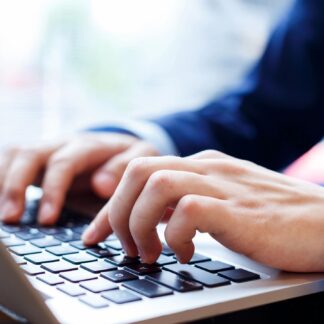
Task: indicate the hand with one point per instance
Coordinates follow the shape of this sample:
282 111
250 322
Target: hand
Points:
88 163
270 217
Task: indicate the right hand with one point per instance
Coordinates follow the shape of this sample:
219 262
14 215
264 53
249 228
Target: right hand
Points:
89 162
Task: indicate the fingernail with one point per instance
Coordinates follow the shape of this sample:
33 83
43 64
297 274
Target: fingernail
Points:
46 213
90 233
9 210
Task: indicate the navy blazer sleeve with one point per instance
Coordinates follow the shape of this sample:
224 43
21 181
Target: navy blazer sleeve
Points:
278 111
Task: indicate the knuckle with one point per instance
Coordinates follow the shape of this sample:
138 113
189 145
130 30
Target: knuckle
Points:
59 161
231 166
137 166
160 180
188 206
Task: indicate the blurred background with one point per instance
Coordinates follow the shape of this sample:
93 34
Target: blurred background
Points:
66 65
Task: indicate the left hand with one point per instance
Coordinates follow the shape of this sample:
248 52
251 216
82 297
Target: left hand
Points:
270 217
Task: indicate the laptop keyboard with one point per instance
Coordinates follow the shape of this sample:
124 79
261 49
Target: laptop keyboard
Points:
100 275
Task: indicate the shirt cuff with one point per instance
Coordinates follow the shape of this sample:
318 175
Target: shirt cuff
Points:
145 130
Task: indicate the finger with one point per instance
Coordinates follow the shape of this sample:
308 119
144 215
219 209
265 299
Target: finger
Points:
209 154
163 189
197 213
129 188
106 179
62 168
99 228
6 158
23 170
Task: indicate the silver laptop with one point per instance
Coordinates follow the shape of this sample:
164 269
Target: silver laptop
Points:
48 276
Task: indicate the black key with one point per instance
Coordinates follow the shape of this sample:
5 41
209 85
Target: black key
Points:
164 260
98 285
141 269
147 288
62 250
4 234
45 242
197 258
102 253
51 230
12 228
195 274
25 249
79 258
61 266
19 260
78 275
40 258
79 245
97 267
122 260
118 276
94 301
166 250
116 245
12 241
32 269
71 290
68 237
29 234
239 275
214 266
50 279
174 281
120 296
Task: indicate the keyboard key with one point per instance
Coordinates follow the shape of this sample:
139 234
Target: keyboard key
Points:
79 245
51 230
122 260
174 281
147 288
68 237
71 290
98 266
19 260
120 296
78 275
98 285
45 242
94 301
116 245
164 260
195 274
62 250
12 241
40 258
32 269
25 249
61 266
197 258
141 269
102 253
166 250
50 279
118 275
79 258
4 234
214 266
29 234
80 228
239 275
11 228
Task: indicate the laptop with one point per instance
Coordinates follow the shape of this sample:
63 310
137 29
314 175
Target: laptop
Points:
48 276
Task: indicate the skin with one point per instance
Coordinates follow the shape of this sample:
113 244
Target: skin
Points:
89 164
270 217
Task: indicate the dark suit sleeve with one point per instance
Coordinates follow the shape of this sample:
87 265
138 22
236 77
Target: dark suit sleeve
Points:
278 111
